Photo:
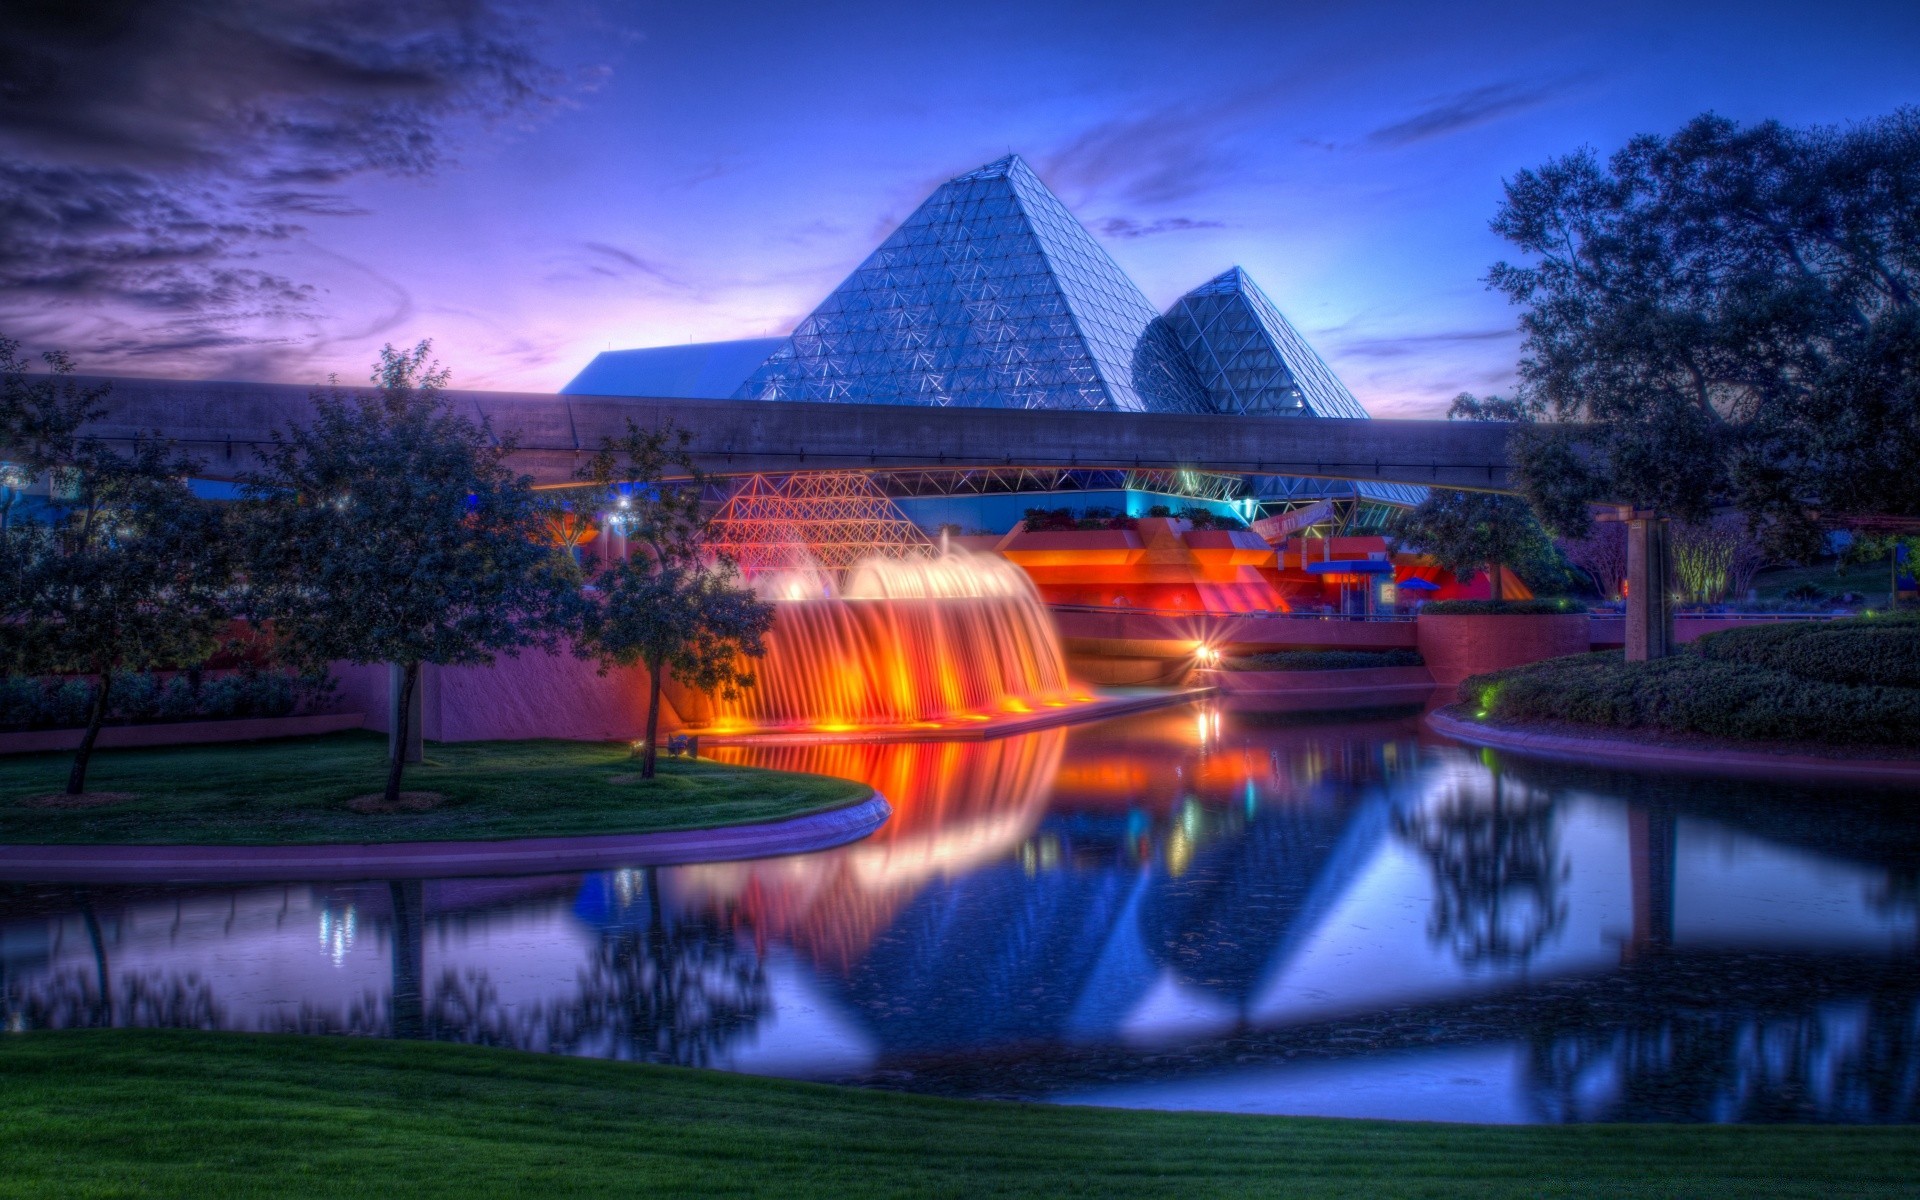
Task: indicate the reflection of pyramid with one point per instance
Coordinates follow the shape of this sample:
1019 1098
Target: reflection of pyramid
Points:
990 295
1250 357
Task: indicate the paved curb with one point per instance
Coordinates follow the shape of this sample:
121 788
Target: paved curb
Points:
426 860
1612 752
999 727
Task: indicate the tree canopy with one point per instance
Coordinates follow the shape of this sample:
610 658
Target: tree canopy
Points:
1735 309
125 570
390 529
1467 532
670 605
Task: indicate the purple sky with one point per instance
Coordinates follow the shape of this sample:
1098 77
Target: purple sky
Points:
269 190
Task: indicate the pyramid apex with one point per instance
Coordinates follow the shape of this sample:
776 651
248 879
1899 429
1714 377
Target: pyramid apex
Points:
1000 168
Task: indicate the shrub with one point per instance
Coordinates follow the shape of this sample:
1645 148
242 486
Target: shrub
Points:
1499 608
70 703
1868 651
29 703
1324 660
135 697
1692 693
176 701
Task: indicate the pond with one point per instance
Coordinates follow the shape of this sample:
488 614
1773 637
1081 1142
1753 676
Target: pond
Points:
1202 907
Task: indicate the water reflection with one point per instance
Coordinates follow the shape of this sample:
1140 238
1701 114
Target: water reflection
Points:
1192 908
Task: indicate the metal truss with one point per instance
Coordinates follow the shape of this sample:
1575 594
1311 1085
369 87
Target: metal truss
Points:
831 519
994 481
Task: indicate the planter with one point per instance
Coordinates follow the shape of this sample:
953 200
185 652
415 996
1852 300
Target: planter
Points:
182 733
1456 647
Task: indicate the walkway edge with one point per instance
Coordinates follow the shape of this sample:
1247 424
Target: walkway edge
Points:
426 860
1614 752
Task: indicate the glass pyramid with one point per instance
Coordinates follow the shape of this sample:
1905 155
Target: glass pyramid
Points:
1249 357
991 295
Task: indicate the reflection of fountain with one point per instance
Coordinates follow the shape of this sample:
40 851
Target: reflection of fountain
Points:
909 642
956 806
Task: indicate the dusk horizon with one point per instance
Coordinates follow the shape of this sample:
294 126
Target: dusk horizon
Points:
528 190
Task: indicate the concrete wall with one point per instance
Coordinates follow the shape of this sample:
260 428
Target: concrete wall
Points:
536 695
1456 647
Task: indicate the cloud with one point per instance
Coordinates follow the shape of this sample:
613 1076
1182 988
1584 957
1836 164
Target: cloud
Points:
1423 343
1127 227
1463 110
152 153
1159 157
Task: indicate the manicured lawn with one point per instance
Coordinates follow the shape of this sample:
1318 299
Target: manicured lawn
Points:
121 1113
296 791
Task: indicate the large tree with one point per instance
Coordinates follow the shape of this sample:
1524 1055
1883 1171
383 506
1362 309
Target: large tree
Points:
124 570
390 529
671 604
1468 532
1734 310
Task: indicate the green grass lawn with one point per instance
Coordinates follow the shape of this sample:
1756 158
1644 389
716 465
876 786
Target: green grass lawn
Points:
296 791
125 1113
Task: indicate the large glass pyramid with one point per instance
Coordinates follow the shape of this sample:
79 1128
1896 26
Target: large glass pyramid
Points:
991 295
1249 357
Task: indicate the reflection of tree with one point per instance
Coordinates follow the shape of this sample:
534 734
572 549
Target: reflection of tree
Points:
671 990
72 998
1855 1062
1497 870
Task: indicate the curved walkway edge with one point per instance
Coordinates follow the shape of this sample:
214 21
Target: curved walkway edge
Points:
424 860
1614 752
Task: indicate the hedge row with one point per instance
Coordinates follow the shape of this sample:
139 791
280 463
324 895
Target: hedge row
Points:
1324 660
34 703
1499 608
1862 651
1692 693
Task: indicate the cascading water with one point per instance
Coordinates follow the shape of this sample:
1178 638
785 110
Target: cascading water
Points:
906 643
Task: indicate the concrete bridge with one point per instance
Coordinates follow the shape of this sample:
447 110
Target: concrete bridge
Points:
224 424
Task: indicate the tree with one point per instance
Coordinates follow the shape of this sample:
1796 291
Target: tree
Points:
1467 532
670 605
1715 559
1602 554
391 530
1733 310
126 570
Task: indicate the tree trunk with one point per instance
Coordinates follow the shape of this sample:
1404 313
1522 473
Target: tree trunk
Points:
1497 581
651 751
397 748
96 717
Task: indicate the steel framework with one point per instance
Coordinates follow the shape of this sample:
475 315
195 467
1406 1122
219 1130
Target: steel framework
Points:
830 519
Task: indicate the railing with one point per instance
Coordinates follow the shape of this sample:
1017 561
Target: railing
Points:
1383 618
1389 618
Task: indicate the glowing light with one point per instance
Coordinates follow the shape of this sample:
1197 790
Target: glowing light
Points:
1205 655
337 933
906 643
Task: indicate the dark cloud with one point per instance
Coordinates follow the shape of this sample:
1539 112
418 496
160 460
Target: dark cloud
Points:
152 152
1127 227
592 261
1463 110
1423 343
